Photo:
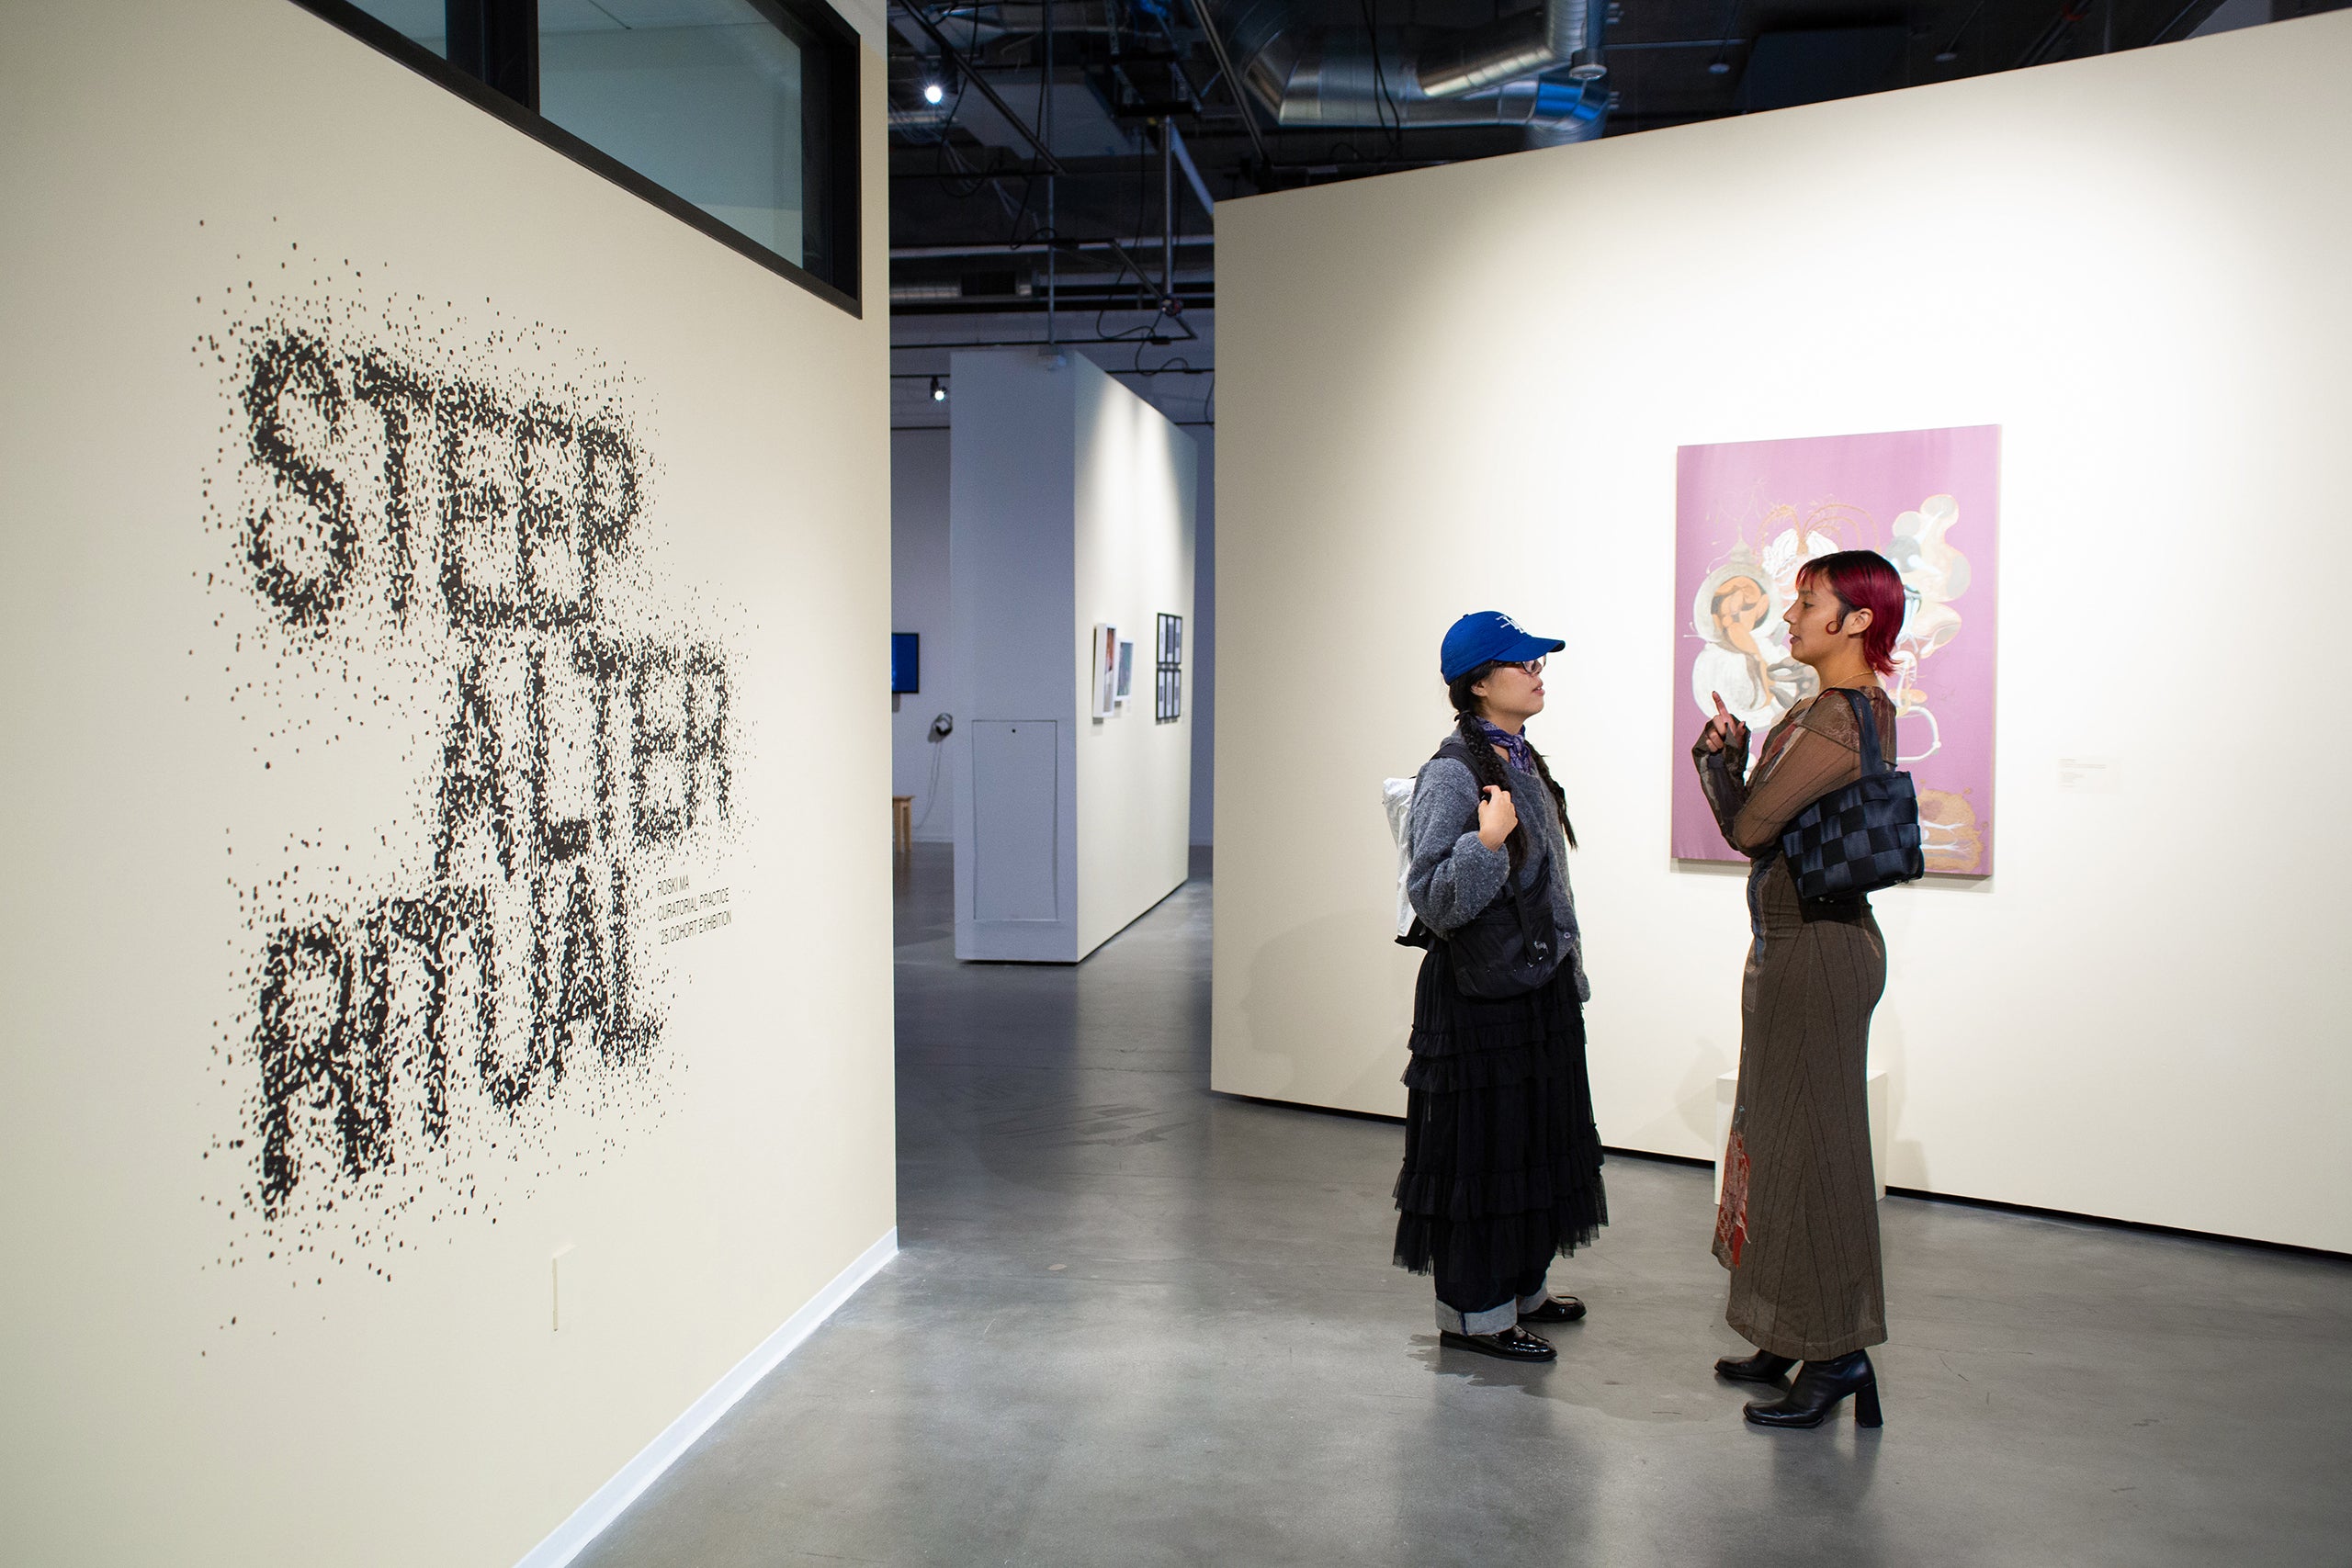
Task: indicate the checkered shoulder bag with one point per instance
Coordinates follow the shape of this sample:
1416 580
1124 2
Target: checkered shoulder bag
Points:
1863 837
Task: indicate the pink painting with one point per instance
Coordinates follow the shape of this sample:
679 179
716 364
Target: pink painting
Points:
1749 513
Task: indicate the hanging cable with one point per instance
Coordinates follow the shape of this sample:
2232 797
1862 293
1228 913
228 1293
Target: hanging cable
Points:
1380 83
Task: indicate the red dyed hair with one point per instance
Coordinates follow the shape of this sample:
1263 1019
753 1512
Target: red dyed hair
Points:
1864 580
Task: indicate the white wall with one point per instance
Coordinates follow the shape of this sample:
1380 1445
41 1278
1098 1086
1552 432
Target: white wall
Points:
919 600
1070 502
1136 478
1200 634
1013 462
368 1369
919 603
2138 1017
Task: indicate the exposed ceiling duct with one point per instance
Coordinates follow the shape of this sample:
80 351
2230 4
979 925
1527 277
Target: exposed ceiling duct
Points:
1506 73
1563 35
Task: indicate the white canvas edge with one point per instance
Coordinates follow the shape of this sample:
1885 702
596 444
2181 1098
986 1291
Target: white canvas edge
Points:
607 1503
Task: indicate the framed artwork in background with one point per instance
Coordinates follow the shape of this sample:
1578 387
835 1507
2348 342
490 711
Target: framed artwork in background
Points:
1106 658
1750 513
1168 696
1126 671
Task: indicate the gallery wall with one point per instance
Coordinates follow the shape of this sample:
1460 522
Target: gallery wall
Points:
440 1044
1012 573
1071 505
2135 1017
1200 637
1137 475
919 603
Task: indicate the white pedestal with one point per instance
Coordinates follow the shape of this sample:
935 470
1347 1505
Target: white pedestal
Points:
1727 1094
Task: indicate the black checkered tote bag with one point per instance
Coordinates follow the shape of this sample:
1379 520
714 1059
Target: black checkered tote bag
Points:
1863 837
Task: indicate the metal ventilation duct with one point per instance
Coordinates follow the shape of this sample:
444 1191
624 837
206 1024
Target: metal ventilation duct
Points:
1564 33
1490 76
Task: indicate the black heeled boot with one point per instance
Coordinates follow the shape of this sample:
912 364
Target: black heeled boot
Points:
1819 1387
1762 1367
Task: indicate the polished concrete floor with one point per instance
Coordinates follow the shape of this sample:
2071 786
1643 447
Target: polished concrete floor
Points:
1136 1322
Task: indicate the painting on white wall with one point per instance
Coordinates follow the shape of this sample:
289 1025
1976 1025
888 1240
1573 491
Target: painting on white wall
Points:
1106 658
1750 515
1168 698
1126 671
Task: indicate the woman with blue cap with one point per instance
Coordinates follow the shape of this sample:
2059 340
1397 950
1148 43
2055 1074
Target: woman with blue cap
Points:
1502 1161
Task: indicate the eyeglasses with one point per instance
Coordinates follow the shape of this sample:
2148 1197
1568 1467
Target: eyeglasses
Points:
1533 666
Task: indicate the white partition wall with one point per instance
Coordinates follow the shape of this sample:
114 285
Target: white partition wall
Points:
446 942
1070 503
919 603
1464 389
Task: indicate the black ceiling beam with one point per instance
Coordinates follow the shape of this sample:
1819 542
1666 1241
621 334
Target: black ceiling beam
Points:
1231 79
1102 168
970 72
1125 168
1157 109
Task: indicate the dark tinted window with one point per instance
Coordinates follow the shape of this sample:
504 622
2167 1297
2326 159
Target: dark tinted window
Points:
739 115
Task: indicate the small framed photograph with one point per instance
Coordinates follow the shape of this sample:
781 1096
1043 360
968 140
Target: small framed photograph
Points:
1168 696
1107 669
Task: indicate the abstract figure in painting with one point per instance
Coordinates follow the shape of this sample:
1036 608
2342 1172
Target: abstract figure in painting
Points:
1751 514
1738 611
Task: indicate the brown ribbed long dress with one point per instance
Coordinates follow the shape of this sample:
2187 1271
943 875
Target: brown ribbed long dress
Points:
1798 1226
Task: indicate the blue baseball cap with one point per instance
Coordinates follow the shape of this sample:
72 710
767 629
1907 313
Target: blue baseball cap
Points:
1489 637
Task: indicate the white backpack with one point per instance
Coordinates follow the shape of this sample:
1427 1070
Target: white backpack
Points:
1397 794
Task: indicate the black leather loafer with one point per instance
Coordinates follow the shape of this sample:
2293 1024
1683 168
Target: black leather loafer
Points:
1820 1387
1512 1344
1762 1367
1556 1309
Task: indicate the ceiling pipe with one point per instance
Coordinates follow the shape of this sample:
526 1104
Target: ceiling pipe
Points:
999 248
1192 171
1564 33
964 69
1331 77
1241 99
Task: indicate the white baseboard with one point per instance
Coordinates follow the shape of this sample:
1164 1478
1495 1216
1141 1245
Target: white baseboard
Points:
569 1538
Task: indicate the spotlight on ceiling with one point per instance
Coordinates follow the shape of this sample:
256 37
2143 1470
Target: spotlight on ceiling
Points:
933 92
938 392
1945 57
1718 67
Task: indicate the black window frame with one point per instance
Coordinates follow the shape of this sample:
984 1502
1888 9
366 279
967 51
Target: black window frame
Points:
830 124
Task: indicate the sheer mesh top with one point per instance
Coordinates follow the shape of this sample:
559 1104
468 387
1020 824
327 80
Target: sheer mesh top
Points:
1816 749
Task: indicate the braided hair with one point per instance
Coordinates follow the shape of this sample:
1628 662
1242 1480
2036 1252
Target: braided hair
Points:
1488 769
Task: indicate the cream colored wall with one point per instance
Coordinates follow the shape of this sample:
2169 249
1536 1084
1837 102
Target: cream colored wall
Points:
431 1417
1463 387
1136 478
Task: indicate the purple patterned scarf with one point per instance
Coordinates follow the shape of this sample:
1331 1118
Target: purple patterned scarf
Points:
1515 747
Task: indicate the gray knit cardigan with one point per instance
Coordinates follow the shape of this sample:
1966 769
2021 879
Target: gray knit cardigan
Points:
1453 875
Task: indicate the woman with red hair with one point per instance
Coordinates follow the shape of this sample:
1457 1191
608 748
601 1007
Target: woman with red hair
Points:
1798 1222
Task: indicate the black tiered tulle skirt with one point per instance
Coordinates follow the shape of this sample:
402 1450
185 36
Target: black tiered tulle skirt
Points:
1502 1161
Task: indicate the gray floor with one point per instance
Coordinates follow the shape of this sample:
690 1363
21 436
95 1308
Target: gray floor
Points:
1134 1322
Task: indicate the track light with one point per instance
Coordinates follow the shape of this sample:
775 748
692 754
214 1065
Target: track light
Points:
1719 68
933 92
938 392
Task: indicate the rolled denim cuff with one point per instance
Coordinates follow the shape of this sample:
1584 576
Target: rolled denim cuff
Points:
1494 1320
